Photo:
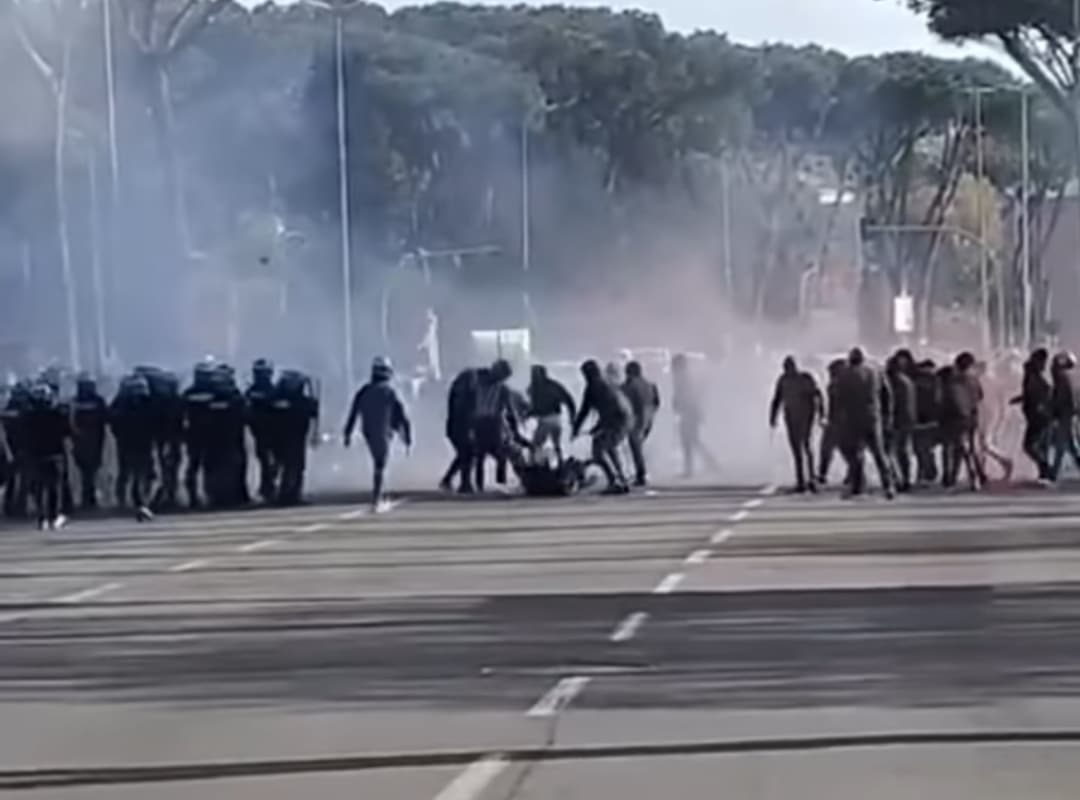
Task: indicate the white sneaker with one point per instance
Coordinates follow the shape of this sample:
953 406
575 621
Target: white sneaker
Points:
144 514
59 522
44 525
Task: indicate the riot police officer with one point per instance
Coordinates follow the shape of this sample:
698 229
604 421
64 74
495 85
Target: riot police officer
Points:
89 415
196 401
131 417
259 399
295 410
47 429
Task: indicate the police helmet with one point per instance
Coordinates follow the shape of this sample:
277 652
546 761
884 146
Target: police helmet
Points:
85 382
501 370
1064 360
262 366
42 393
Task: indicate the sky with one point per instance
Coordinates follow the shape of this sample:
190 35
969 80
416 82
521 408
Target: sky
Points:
855 27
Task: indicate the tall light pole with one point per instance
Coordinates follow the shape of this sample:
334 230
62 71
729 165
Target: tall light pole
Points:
1025 216
526 222
337 7
984 265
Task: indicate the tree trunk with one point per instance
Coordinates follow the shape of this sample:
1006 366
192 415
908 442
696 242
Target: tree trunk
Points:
165 132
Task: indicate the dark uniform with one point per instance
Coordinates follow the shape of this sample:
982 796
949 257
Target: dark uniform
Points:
460 406
196 401
90 417
904 416
295 411
47 428
798 396
861 394
260 398
226 462
17 484
381 414
614 417
131 417
644 397
168 431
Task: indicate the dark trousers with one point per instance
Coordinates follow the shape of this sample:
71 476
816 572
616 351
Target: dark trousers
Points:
168 456
379 449
605 452
291 461
490 439
1036 442
900 443
461 440
925 439
48 472
1063 440
88 467
855 442
17 487
134 475
637 438
194 474
264 454
959 449
802 454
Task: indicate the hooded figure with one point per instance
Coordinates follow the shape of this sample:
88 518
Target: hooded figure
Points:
830 437
798 396
927 434
1064 406
381 414
961 396
898 372
547 399
1035 403
495 422
460 407
644 397
47 430
614 417
860 392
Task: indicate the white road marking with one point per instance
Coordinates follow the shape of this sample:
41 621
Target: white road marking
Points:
87 594
739 515
669 583
628 628
474 779
769 491
262 544
5 618
698 557
757 502
354 514
315 528
386 506
188 566
721 536
558 696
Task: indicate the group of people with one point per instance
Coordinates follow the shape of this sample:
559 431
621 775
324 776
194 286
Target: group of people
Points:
485 421
54 438
922 422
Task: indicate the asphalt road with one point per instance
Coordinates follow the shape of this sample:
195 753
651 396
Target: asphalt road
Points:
633 644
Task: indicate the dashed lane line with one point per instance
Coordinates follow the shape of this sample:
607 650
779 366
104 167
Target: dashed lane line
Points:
721 536
472 781
559 696
87 594
670 583
628 628
698 557
188 566
739 515
314 528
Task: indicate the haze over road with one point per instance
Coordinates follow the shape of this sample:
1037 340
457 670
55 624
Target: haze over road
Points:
487 632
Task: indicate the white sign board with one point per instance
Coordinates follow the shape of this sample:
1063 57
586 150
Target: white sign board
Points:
904 314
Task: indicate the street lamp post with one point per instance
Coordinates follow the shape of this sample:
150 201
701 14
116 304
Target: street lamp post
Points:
337 7
984 261
1025 217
